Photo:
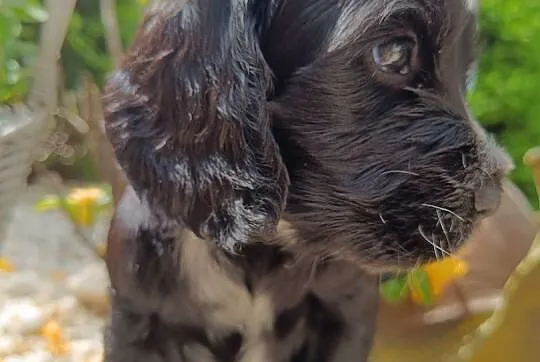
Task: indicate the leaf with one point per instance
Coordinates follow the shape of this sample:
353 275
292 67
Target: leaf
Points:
395 290
13 71
36 12
102 249
48 203
421 289
6 266
58 276
54 336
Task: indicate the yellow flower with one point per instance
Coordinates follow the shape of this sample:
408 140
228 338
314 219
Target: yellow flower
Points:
86 195
82 203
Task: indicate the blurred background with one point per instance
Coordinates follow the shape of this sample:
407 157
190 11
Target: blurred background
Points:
58 186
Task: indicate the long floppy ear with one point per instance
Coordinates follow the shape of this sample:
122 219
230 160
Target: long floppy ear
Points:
187 116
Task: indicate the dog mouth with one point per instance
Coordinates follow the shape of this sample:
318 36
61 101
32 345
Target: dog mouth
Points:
434 232
437 240
446 233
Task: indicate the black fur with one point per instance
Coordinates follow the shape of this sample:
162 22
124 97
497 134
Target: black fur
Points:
229 117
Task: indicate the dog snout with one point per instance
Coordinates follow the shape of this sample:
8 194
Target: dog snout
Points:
487 198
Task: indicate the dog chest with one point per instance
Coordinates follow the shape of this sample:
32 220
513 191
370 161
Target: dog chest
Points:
214 296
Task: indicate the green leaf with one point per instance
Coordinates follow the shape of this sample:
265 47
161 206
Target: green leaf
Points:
419 280
13 71
36 12
48 203
395 290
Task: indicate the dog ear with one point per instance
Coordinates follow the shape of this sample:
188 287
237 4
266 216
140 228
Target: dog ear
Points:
187 116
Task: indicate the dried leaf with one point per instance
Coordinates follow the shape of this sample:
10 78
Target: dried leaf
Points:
58 276
54 336
102 249
6 266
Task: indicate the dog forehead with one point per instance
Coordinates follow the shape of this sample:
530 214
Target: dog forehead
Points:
356 16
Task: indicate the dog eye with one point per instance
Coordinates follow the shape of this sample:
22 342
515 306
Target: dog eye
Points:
395 56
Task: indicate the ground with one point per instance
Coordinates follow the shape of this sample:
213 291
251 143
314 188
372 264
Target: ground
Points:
53 303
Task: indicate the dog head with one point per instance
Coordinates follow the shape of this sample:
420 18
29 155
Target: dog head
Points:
346 118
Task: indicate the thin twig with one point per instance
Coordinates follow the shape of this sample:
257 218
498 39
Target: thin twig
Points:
112 30
97 142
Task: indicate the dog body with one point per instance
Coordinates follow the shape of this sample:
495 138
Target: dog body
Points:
179 298
277 152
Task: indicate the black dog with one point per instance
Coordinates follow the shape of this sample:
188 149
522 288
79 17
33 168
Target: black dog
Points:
277 150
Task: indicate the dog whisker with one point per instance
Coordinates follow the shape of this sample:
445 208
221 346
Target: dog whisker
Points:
402 172
464 160
445 210
429 241
443 227
403 249
437 244
436 248
382 218
445 252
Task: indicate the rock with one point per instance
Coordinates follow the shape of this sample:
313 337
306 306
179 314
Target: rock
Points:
63 309
22 317
34 356
90 286
10 345
87 350
20 284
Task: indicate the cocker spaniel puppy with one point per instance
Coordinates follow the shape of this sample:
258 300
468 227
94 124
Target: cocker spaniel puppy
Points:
279 152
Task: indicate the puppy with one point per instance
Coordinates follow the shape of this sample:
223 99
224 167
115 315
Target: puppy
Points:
280 153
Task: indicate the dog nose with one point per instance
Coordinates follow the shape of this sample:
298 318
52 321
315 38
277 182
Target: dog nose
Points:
487 198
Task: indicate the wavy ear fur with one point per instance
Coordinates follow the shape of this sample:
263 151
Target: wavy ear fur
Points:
187 116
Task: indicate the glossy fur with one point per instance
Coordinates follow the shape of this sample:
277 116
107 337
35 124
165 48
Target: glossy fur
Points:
272 167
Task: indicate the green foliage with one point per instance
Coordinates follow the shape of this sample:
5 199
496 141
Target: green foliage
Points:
506 99
18 26
395 290
85 49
